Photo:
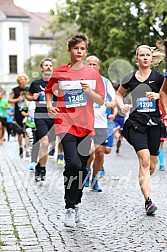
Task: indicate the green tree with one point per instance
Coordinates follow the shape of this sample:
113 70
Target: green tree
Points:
61 30
117 27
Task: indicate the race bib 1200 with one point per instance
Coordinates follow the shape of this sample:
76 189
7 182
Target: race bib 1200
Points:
144 104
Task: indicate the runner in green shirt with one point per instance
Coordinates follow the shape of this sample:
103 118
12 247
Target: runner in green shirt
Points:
4 105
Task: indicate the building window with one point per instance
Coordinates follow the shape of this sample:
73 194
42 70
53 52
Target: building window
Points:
12 33
13 64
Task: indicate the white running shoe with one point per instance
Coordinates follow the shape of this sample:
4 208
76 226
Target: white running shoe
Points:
70 218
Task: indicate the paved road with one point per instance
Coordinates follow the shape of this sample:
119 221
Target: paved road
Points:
31 214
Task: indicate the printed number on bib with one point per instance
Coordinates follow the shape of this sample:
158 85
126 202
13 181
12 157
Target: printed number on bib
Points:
144 104
75 98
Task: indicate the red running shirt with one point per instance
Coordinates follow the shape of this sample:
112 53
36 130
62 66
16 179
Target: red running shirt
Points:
76 114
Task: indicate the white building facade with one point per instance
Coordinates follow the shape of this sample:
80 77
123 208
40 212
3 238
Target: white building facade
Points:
20 39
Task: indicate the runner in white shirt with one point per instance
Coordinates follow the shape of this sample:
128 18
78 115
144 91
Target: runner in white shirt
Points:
100 138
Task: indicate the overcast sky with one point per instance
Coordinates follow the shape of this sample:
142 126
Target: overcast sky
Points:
37 5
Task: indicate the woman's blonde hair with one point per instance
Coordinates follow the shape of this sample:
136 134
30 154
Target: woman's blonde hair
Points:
157 55
20 76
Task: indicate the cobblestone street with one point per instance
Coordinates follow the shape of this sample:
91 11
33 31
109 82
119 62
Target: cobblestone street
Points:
32 214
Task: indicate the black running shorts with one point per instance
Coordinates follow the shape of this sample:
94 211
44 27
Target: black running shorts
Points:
149 139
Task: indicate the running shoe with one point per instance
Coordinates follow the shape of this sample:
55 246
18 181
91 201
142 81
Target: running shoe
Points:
161 168
43 173
95 186
150 207
70 218
37 172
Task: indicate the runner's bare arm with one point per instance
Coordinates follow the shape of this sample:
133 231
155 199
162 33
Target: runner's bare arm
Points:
52 111
119 99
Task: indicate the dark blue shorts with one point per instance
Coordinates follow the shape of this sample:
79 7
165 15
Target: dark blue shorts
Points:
119 122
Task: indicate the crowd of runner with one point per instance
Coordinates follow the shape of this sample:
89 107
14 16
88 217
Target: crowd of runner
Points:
76 115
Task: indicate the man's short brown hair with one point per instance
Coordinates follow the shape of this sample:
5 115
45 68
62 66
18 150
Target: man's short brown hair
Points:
45 59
